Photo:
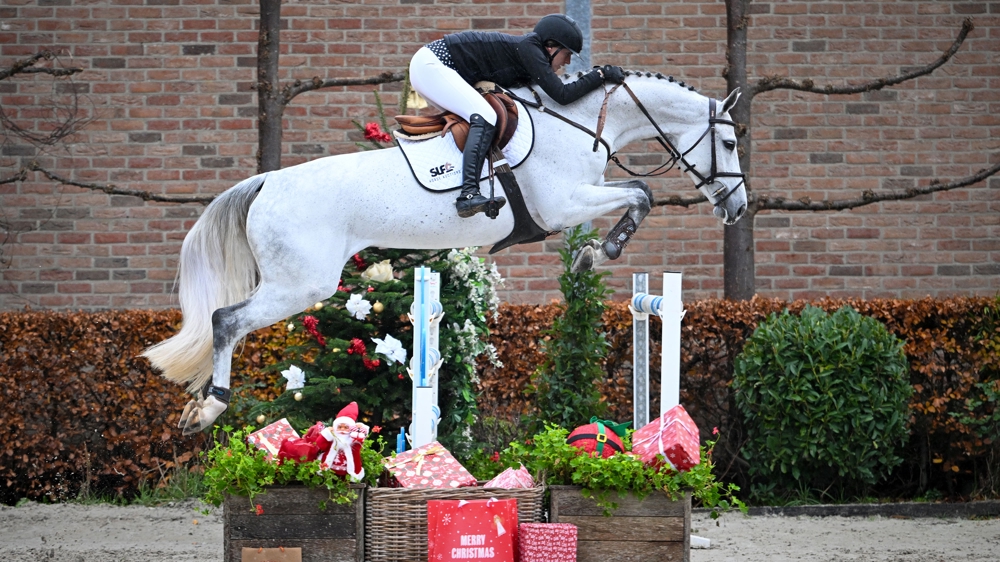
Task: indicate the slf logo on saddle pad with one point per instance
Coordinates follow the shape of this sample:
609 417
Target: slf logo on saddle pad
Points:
442 170
436 162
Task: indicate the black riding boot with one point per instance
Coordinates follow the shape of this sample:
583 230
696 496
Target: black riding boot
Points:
477 145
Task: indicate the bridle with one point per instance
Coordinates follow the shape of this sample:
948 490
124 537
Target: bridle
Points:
675 155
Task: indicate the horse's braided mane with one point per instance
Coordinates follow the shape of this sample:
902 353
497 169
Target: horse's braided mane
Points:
640 73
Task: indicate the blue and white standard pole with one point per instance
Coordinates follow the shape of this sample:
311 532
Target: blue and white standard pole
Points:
425 314
670 309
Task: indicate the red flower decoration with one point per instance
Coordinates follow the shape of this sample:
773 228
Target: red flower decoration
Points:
357 346
341 287
400 376
371 289
374 133
358 262
312 324
715 431
376 428
371 364
259 510
495 457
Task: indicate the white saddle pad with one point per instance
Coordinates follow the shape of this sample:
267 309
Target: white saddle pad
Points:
436 162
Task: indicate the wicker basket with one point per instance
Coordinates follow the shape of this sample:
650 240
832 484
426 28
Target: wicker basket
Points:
396 518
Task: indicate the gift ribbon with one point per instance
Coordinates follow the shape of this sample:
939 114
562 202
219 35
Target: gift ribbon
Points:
419 457
620 429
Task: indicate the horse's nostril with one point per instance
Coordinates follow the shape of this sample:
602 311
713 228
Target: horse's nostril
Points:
743 209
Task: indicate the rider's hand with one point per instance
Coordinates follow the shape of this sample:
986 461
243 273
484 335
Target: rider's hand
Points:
613 74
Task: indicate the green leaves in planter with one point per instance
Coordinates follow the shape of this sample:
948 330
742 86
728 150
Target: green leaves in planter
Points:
552 460
824 398
236 468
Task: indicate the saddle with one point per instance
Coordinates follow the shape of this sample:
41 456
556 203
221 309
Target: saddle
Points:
441 123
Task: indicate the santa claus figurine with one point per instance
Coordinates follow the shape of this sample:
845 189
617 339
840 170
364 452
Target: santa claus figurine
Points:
345 437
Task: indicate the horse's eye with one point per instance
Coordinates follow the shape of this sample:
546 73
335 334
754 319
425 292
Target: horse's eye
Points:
730 145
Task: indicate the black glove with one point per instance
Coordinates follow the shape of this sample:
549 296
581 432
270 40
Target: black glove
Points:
613 74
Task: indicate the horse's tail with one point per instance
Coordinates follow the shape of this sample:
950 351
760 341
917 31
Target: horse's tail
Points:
216 269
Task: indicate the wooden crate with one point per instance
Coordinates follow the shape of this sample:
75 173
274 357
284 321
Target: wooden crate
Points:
292 518
654 528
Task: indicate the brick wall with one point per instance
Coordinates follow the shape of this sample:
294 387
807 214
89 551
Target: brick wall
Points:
167 86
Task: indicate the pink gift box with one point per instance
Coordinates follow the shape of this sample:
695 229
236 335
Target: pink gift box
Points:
547 542
512 478
270 437
674 435
430 466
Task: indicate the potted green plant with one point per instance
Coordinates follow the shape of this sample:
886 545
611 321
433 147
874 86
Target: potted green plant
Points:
267 504
622 507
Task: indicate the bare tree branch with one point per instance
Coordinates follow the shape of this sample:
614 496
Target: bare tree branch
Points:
113 190
678 201
868 197
21 175
776 82
27 66
299 87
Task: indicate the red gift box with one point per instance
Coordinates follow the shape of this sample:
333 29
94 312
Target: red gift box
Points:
511 478
430 466
674 435
270 437
547 542
471 529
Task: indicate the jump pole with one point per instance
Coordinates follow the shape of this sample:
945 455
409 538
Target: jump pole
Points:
670 308
425 315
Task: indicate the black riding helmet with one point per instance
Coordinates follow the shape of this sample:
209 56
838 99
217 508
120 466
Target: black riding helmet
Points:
560 29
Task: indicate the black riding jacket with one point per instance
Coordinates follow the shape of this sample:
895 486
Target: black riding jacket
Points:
511 61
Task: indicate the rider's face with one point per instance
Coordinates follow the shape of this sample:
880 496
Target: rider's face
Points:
560 57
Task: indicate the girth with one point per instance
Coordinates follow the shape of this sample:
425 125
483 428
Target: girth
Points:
503 106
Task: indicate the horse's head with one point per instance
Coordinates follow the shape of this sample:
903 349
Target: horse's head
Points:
708 154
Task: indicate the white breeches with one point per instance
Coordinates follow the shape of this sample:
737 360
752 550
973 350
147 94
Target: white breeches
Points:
444 88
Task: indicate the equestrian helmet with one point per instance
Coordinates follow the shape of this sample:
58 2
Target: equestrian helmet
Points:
561 29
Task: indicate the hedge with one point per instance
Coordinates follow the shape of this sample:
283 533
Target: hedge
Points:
81 412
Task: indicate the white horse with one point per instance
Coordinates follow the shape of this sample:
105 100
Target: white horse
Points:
276 243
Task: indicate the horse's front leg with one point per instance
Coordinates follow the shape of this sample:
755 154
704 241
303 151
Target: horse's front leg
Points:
595 253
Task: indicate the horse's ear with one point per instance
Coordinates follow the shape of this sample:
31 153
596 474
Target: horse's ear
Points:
730 100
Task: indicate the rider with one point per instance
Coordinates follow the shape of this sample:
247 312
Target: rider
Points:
444 70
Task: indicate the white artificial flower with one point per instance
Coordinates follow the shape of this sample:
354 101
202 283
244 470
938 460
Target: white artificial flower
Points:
391 348
295 376
358 307
380 272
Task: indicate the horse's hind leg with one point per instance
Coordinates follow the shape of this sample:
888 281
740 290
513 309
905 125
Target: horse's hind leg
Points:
270 303
595 253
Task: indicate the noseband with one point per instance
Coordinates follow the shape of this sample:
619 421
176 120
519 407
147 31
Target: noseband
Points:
678 156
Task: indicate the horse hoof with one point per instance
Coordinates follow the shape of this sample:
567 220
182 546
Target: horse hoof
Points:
199 415
192 405
584 260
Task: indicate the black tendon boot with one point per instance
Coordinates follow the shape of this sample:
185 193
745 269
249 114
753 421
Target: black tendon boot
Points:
477 145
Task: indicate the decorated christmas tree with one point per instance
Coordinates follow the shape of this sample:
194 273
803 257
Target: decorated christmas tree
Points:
358 342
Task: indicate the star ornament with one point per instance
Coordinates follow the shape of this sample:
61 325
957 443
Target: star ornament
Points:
358 307
391 348
295 376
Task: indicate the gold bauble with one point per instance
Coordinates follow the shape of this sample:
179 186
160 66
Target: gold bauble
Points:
336 350
318 306
298 396
261 419
378 307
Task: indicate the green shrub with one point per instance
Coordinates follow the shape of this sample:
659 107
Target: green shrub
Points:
566 387
824 398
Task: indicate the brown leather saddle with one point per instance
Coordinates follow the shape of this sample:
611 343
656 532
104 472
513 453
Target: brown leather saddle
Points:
416 125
